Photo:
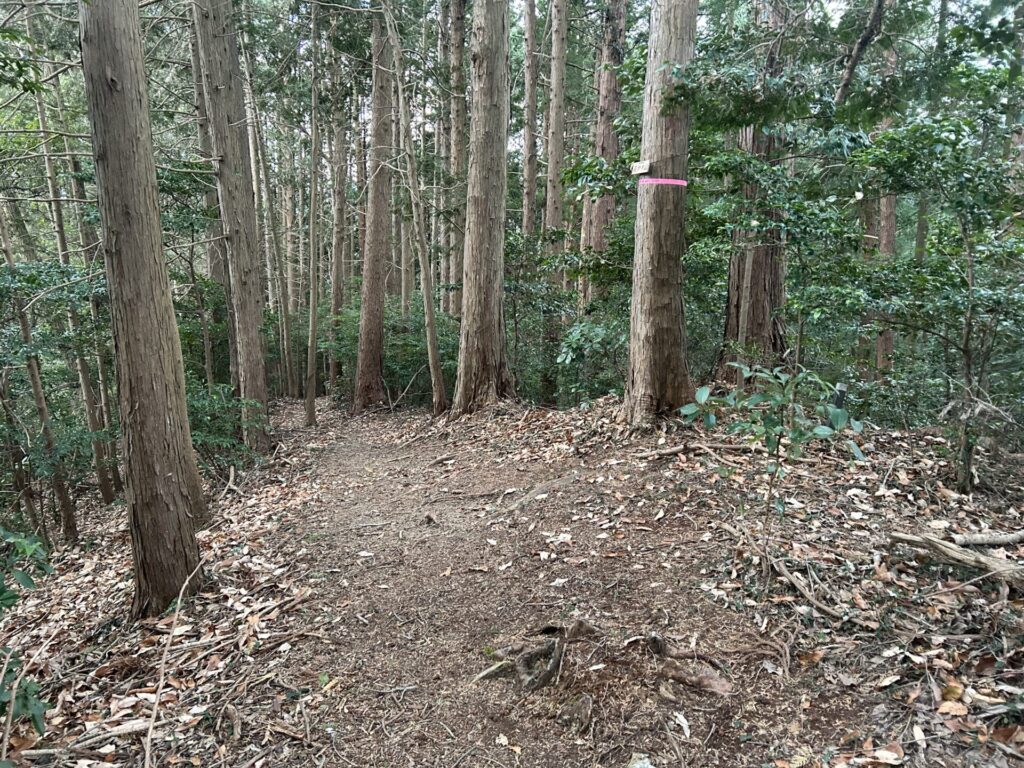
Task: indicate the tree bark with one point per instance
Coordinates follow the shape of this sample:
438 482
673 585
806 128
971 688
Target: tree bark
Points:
369 388
225 106
658 381
164 493
483 373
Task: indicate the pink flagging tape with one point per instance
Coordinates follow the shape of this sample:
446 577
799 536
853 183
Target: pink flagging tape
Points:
671 182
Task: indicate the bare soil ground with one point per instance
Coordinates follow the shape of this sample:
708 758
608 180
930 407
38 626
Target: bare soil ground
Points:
364 577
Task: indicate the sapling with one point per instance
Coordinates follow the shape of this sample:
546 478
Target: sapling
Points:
782 413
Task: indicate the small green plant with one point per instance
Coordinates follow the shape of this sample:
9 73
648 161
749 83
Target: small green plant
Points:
21 556
780 411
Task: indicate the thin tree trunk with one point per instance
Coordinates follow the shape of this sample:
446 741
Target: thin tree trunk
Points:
339 243
369 389
483 373
658 381
222 79
216 248
21 483
363 183
419 221
885 342
314 228
272 230
69 524
164 493
90 244
457 153
598 214
92 417
530 119
871 30
553 205
442 149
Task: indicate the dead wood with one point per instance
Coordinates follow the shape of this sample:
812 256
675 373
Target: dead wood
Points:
948 552
710 448
540 666
988 539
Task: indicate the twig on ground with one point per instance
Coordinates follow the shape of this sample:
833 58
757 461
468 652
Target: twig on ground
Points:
989 539
148 761
12 694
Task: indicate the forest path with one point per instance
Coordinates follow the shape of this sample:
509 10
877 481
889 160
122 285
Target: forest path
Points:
428 548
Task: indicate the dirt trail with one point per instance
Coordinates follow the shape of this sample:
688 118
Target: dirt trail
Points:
428 556
362 576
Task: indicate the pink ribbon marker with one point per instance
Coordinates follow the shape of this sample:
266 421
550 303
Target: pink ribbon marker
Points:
670 182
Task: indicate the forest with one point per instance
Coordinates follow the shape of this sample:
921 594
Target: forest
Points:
607 383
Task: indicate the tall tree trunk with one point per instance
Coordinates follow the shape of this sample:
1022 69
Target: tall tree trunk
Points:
362 156
658 381
530 119
164 493
598 214
408 269
756 292
369 388
439 239
553 205
339 243
457 153
394 278
419 219
272 230
757 267
216 248
58 477
225 106
92 417
885 342
483 373
314 227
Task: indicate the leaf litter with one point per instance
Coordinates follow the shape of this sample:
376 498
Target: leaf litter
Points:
358 585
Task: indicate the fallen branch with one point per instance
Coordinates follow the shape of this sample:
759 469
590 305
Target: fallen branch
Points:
662 453
948 552
988 539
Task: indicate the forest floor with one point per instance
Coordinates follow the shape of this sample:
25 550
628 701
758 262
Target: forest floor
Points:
362 579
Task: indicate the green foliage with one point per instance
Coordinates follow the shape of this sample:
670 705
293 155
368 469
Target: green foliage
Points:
216 418
20 558
17 69
783 412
